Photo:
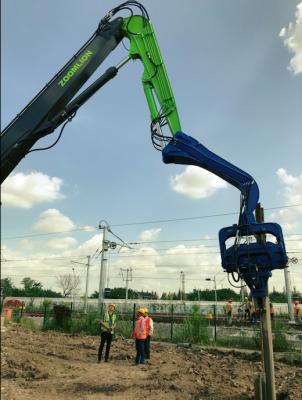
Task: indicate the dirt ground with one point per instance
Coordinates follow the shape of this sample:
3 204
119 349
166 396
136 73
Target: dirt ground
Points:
50 365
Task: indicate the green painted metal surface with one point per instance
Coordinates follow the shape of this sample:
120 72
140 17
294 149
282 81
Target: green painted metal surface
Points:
156 84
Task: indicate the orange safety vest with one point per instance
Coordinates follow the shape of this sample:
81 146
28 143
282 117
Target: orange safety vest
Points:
297 310
140 329
149 326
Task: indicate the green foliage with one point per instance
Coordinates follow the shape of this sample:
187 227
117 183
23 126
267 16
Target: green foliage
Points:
30 284
7 286
238 342
171 296
278 297
116 293
46 303
280 343
31 288
209 295
28 323
194 329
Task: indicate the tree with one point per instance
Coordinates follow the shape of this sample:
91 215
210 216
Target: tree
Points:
278 297
31 288
7 287
30 284
69 283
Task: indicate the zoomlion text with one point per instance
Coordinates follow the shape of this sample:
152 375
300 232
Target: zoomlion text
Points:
75 68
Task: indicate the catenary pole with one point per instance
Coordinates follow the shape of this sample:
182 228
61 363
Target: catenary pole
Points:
87 284
289 294
103 226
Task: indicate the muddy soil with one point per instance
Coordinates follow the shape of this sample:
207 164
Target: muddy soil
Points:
57 366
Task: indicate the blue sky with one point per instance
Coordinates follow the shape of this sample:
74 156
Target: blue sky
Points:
236 72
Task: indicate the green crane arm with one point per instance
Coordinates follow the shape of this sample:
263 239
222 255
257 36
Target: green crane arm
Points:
156 84
56 103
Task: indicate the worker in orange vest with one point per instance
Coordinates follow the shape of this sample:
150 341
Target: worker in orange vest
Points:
149 332
297 312
140 334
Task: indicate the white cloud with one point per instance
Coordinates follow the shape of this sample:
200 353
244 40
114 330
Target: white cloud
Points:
286 178
53 220
88 228
290 218
62 243
197 183
292 38
27 245
26 190
89 247
149 234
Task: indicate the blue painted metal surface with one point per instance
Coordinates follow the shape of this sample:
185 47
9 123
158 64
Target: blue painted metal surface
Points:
252 260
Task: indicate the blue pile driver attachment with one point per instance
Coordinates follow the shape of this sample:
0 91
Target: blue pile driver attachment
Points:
255 258
251 258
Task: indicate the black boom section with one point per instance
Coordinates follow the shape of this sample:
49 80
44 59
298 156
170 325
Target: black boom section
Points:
37 118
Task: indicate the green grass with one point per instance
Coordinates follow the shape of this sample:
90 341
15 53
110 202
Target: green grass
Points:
29 323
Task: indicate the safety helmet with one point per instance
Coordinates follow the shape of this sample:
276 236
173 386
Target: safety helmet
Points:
141 310
112 305
146 310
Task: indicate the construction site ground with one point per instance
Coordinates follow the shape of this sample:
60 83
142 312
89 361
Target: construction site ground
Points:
53 365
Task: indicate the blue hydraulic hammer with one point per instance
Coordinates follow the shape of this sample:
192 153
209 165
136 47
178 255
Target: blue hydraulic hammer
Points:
251 258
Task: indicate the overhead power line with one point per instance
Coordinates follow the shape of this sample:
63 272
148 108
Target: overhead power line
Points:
146 222
199 217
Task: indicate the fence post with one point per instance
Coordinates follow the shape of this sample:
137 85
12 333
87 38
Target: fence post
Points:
215 323
44 316
172 321
133 315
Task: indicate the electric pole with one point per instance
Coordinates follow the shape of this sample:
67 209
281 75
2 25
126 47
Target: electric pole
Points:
87 283
288 288
127 279
106 245
182 290
87 280
103 225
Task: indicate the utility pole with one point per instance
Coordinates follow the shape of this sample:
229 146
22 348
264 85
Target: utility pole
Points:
288 288
266 330
106 245
87 280
215 306
87 283
127 279
72 296
182 290
103 226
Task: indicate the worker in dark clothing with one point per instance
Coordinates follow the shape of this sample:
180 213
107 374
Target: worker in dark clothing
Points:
107 323
149 332
247 309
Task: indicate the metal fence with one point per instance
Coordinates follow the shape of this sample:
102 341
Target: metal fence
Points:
193 323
